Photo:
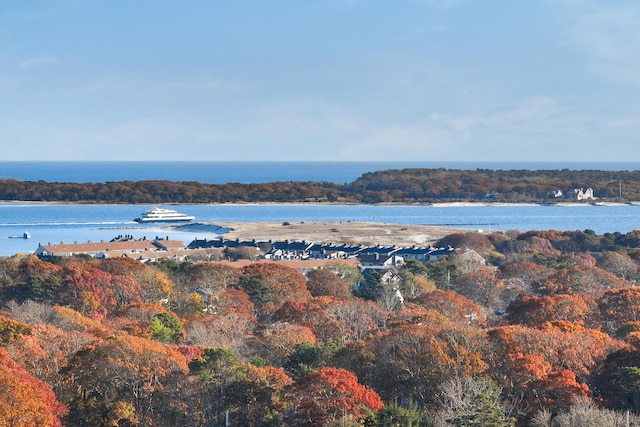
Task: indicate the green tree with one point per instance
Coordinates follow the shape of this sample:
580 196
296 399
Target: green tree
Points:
588 240
631 383
372 286
441 272
166 327
307 357
349 274
43 289
394 415
257 290
219 370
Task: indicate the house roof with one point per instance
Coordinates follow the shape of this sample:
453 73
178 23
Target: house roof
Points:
421 250
381 250
220 243
374 258
175 254
295 263
414 250
331 247
169 244
113 246
71 248
291 246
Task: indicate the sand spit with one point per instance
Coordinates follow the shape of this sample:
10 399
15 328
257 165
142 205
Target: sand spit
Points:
368 233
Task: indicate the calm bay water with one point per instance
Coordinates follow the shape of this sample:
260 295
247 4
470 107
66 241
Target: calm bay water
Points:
53 223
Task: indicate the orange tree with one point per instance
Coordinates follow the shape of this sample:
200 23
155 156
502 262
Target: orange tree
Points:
120 380
313 314
260 396
452 305
536 311
25 400
283 283
410 362
269 285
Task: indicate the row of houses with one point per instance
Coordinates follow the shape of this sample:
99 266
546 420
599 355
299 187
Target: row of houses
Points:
122 246
145 250
574 194
369 256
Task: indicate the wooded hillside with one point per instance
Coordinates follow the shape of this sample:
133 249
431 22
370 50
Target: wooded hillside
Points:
390 186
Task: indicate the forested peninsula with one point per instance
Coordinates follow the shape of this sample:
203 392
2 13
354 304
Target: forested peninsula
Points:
388 186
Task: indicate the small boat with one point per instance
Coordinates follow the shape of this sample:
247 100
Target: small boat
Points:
25 235
163 215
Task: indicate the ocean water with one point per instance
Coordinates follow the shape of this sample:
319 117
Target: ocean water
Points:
55 223
255 172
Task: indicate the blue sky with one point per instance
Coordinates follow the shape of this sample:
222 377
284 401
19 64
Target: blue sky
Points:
418 80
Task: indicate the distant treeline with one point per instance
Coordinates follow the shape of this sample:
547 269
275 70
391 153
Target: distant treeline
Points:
389 186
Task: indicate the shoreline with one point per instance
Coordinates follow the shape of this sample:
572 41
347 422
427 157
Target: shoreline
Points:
594 202
405 225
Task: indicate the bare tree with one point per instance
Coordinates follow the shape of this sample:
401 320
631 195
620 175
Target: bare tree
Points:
585 413
390 298
464 399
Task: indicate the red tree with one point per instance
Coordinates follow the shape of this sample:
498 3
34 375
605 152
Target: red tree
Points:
326 283
88 290
452 305
328 395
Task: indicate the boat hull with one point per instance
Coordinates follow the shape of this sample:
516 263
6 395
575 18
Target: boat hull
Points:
146 221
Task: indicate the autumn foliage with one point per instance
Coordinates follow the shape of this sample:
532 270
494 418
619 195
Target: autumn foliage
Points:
24 399
542 324
329 394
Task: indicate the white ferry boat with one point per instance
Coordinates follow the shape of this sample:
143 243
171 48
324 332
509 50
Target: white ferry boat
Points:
163 215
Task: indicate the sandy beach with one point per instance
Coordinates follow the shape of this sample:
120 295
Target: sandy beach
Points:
368 233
